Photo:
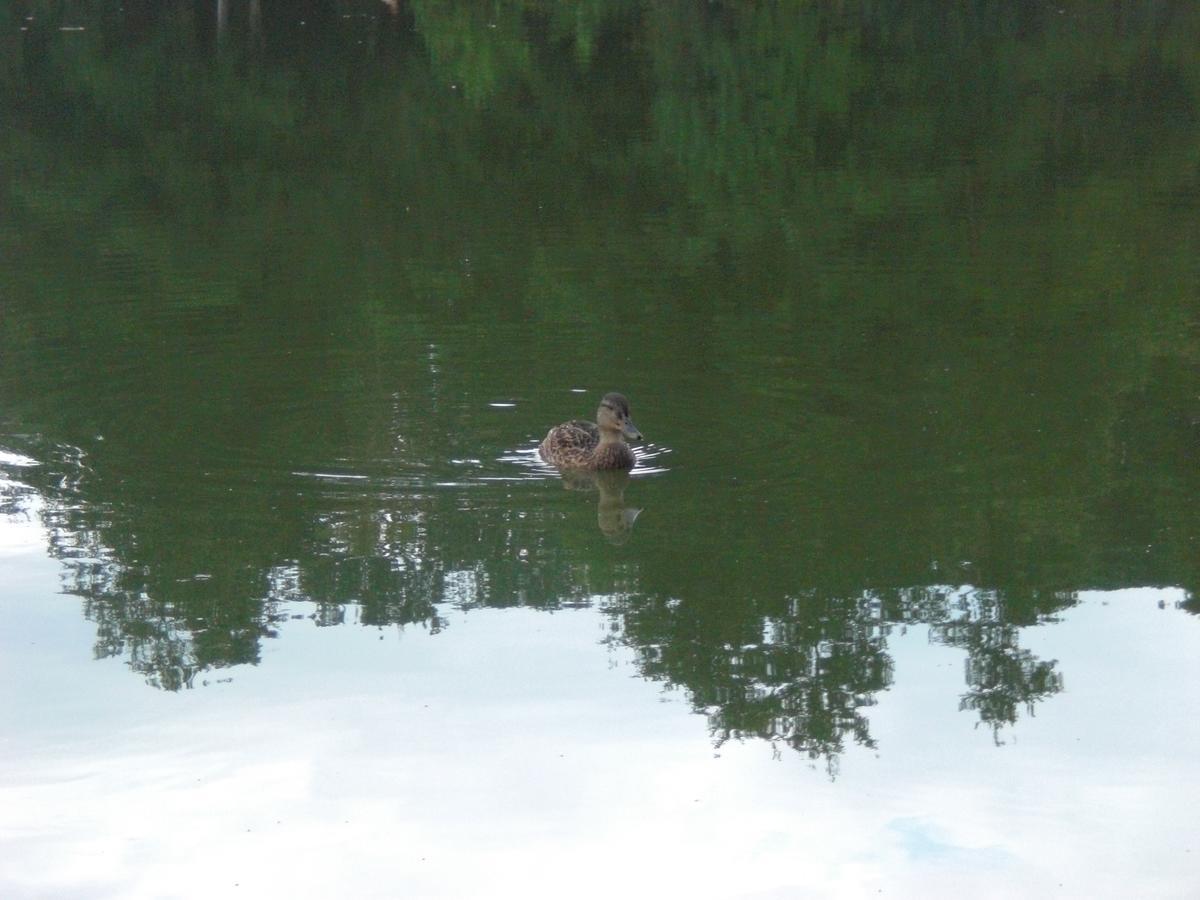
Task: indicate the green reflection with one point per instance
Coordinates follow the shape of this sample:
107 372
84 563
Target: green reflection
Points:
909 296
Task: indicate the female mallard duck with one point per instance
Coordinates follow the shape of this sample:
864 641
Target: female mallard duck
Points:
584 445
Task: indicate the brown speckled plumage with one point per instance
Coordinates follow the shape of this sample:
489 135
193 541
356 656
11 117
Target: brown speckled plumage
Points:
600 445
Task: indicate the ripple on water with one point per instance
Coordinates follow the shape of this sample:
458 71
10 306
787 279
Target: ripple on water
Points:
16 460
528 459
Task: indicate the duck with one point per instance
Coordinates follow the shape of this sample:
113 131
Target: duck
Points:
598 446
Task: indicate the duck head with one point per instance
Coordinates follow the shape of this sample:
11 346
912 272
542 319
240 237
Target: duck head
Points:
613 416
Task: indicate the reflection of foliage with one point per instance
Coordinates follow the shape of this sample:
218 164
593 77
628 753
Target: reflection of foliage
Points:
803 676
303 212
1001 677
475 45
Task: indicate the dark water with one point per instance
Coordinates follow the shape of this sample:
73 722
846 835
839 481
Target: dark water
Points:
905 302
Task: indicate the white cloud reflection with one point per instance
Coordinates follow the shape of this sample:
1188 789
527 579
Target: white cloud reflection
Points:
514 755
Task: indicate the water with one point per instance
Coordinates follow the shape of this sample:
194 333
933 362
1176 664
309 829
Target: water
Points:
900 598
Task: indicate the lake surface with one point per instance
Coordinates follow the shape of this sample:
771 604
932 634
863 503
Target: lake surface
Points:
901 598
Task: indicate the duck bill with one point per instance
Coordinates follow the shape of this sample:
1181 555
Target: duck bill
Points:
630 431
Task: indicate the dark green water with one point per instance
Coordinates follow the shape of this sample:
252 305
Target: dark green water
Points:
905 301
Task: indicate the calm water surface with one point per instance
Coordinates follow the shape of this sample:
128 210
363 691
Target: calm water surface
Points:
901 598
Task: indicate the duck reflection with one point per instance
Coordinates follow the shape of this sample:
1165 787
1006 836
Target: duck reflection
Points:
612 515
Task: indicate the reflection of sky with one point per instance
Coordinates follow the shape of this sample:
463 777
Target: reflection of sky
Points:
514 754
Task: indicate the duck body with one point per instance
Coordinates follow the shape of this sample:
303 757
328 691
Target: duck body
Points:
594 446
576 445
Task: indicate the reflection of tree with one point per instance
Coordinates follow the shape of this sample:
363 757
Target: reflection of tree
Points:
1001 677
197 583
805 676
308 190
802 678
797 668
